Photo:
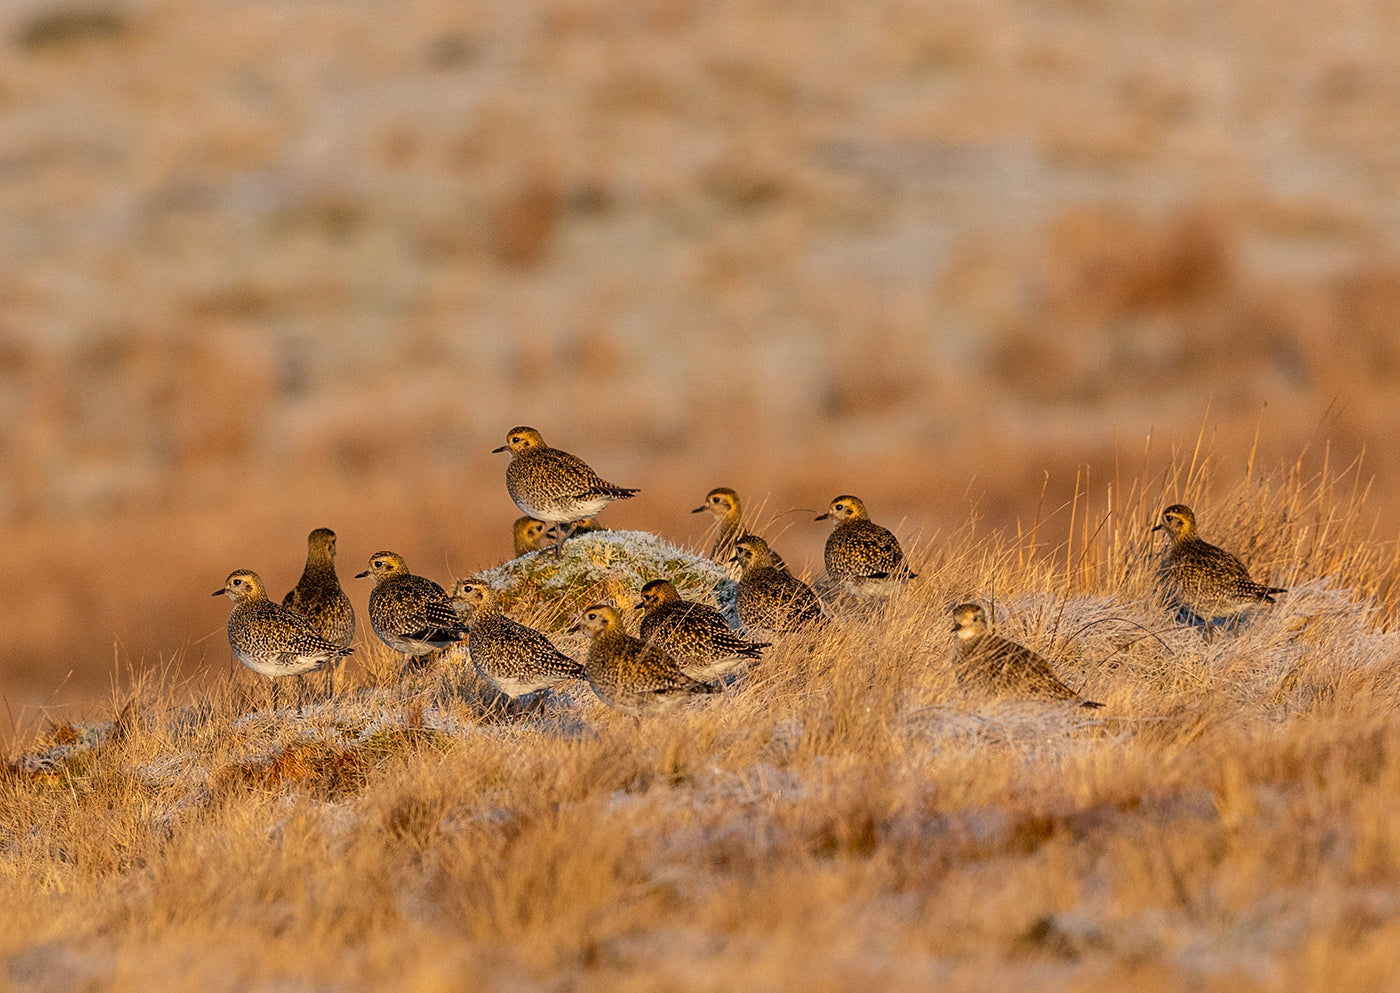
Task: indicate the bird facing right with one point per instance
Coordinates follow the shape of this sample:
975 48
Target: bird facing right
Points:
1204 578
992 664
694 633
630 675
860 554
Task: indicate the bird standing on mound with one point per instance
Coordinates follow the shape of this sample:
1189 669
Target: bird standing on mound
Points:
630 675
511 657
860 554
318 596
723 504
411 614
771 602
268 638
992 664
551 485
1206 579
695 634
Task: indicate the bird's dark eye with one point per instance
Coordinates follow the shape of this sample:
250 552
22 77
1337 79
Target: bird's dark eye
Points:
238 582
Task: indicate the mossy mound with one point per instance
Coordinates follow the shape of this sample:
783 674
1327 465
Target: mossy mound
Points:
549 593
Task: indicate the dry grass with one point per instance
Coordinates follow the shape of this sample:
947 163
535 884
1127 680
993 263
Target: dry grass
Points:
840 819
270 266
266 267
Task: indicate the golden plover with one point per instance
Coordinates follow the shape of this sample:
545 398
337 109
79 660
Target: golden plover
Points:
860 554
1207 580
531 536
511 657
695 634
723 504
992 664
551 485
411 614
771 602
269 638
318 596
630 675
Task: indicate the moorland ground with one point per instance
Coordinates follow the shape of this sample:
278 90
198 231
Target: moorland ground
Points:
843 817
271 266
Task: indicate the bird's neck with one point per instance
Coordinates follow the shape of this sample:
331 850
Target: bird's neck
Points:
969 643
608 639
319 568
485 612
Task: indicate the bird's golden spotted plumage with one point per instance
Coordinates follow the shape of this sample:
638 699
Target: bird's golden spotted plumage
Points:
267 637
693 633
411 614
722 503
991 664
628 674
768 600
318 595
511 657
1204 578
860 554
551 485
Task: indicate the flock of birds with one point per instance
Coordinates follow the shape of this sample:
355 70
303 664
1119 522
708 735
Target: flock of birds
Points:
686 647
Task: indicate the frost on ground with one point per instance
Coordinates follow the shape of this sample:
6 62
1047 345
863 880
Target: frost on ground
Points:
841 810
549 593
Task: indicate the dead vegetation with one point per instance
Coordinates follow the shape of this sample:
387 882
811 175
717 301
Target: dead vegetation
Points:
841 817
267 267
272 267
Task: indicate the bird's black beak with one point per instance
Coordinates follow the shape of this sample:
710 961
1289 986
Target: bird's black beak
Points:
733 560
699 510
822 517
1157 528
640 606
498 451
219 592
362 575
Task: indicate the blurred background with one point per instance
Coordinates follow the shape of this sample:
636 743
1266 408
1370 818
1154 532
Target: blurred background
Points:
269 265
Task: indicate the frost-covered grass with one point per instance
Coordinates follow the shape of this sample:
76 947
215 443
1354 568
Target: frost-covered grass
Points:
841 818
